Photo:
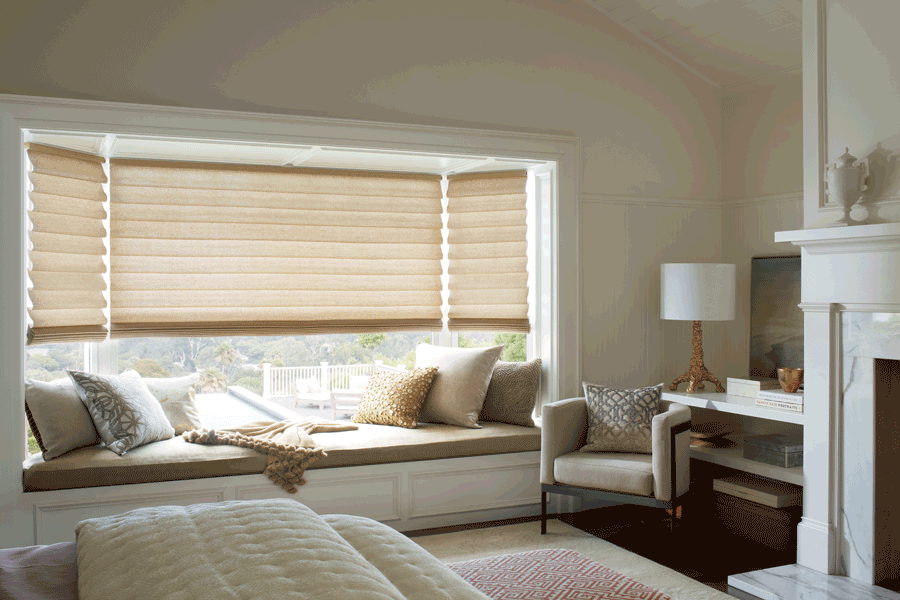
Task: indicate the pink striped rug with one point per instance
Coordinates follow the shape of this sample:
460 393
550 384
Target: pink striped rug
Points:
552 574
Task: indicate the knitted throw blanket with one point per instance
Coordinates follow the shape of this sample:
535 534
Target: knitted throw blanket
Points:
287 443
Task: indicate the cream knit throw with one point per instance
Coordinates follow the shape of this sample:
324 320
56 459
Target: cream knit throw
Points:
287 443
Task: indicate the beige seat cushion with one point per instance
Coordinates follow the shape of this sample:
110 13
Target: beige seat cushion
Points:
175 459
609 471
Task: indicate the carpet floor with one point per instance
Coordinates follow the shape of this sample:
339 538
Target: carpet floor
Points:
521 537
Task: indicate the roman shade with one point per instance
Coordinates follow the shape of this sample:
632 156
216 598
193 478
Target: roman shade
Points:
66 246
488 265
213 249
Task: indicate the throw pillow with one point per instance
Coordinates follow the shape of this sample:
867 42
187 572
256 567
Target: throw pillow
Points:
395 398
58 419
176 396
512 393
124 411
619 420
458 391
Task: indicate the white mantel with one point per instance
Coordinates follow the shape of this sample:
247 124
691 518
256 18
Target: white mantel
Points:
848 273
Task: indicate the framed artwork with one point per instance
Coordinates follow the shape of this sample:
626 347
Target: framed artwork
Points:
776 321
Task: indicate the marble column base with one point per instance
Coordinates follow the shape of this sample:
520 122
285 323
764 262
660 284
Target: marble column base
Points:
794 582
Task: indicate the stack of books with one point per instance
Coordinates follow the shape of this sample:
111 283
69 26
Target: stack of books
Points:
750 386
780 399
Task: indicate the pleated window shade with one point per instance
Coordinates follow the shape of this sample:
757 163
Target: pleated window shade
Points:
488 262
201 249
66 247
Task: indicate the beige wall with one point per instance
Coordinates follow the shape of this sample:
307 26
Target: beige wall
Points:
762 139
762 190
862 100
649 129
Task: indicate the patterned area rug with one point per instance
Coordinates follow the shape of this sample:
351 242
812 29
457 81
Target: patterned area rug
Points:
552 574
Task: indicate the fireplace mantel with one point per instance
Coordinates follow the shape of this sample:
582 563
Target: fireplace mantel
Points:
843 240
846 271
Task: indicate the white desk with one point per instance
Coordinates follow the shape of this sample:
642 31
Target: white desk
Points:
734 457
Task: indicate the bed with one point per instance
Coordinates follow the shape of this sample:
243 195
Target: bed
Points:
242 549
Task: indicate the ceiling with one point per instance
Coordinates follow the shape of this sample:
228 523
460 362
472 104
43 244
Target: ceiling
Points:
182 149
726 42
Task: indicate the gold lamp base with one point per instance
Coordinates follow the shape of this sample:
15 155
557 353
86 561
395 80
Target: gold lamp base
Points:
698 373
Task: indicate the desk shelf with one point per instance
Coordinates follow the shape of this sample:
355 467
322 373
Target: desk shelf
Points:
738 405
734 459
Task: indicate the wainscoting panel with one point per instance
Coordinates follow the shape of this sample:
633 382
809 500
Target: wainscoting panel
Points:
373 496
55 521
406 496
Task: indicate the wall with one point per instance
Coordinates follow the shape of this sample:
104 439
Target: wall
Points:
861 99
762 190
649 129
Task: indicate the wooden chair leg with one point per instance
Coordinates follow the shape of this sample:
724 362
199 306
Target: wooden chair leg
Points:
543 513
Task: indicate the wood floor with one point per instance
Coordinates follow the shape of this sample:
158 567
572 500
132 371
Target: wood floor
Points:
700 547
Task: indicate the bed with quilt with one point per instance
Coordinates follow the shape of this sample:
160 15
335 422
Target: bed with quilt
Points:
241 550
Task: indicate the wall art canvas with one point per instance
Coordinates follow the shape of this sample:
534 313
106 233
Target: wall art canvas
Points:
776 321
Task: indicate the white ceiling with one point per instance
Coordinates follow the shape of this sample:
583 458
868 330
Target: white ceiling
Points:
181 149
726 42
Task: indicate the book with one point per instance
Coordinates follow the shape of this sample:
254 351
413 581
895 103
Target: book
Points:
781 396
782 405
749 387
760 489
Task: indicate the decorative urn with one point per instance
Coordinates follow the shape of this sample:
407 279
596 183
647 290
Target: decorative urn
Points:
845 182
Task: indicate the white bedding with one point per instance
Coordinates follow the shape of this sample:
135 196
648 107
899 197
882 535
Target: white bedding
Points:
255 549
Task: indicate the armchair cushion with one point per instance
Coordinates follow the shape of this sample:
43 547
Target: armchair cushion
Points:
626 473
619 420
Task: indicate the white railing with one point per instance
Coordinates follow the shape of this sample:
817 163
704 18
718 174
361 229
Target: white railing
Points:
278 381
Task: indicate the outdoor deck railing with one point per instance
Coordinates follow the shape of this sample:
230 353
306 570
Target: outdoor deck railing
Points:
278 381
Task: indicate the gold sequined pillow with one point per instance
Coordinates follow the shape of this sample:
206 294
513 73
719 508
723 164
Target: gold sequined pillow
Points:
395 397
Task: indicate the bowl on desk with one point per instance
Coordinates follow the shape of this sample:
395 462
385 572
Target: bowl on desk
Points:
790 379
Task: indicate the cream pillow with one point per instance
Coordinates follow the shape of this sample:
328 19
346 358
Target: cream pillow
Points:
458 391
620 420
58 419
176 395
395 398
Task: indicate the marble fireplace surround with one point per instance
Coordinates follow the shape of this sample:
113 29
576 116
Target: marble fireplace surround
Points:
850 295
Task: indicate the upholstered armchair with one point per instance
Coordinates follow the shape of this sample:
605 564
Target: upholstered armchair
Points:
659 479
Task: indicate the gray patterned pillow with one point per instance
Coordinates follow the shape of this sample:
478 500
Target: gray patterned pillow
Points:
124 411
512 393
619 420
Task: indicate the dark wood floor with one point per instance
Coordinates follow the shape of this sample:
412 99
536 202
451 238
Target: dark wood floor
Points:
700 546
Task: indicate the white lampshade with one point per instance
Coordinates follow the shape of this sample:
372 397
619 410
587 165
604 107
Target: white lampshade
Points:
697 292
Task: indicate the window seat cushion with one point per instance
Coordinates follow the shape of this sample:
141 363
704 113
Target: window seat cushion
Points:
175 459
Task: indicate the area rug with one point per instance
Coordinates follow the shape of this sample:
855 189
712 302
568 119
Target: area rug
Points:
523 537
555 574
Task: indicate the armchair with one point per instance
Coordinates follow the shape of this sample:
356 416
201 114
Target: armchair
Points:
659 479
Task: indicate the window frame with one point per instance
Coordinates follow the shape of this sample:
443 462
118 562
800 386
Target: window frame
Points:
558 295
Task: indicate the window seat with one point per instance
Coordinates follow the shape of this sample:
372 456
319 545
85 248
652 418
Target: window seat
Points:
175 459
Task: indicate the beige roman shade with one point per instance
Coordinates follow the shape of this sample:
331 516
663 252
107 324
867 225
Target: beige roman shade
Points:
66 247
488 262
210 249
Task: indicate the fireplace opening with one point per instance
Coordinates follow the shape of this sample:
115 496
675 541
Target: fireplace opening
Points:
886 530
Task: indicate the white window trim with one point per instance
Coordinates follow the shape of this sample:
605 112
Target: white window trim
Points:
559 293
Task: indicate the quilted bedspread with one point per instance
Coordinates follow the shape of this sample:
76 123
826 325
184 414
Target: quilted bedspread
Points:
277 549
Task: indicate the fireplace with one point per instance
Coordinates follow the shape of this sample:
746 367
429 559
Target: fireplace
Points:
869 529
851 495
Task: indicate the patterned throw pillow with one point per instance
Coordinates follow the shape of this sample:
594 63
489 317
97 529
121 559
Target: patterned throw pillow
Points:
512 393
124 411
619 420
395 398
176 395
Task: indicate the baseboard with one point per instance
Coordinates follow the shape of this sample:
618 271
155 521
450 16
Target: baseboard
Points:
816 545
